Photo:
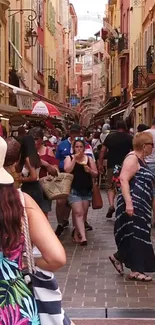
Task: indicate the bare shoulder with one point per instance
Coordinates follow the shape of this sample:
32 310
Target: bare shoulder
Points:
131 161
131 157
29 202
90 159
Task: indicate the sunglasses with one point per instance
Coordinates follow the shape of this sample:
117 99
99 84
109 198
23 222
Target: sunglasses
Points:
79 138
150 143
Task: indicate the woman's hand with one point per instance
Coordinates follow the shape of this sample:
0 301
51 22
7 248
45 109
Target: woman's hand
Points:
129 208
78 155
87 169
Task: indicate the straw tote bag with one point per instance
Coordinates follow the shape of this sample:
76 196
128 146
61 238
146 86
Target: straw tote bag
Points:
45 288
57 187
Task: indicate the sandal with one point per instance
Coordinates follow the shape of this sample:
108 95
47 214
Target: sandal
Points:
140 277
117 265
74 237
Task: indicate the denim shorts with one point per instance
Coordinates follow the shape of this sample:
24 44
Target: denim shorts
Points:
152 168
75 196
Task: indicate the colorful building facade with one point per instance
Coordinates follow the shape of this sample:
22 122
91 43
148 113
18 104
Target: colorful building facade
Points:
4 63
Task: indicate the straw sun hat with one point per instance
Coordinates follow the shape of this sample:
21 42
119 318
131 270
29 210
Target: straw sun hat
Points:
5 177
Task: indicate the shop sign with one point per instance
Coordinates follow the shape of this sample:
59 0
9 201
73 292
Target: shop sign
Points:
24 102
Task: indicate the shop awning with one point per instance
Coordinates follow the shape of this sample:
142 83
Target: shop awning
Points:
23 97
128 110
110 104
143 98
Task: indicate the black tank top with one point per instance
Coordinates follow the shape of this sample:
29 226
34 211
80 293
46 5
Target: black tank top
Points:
82 181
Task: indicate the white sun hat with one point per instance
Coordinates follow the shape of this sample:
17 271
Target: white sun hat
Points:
5 177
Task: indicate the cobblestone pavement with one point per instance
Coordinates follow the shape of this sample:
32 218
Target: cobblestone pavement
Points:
115 322
89 280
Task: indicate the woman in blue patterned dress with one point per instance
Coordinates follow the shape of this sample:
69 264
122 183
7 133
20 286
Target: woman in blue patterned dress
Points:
133 213
17 304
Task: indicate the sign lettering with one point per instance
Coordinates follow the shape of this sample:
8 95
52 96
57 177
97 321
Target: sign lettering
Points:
24 102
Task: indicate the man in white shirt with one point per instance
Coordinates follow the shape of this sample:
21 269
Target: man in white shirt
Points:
150 160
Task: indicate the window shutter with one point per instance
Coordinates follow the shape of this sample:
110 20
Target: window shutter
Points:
50 19
51 72
17 45
38 56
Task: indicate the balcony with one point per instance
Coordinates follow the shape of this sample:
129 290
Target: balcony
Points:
53 84
123 45
150 64
140 82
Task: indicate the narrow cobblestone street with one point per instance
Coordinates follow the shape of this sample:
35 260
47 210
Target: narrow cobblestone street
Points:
90 284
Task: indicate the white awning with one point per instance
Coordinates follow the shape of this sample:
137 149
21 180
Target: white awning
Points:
16 90
23 97
122 111
128 110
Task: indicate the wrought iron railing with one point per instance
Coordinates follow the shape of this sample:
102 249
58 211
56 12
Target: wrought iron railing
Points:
123 43
150 58
140 77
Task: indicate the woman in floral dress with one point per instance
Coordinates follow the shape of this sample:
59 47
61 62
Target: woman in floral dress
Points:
17 304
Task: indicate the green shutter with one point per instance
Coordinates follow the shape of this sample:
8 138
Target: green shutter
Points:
17 44
48 14
13 41
51 72
51 9
53 21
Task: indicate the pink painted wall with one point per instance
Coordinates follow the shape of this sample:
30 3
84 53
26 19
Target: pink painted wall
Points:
125 16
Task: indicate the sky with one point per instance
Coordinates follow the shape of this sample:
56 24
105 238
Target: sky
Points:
90 14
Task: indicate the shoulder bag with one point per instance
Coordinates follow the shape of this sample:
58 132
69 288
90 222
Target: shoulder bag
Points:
97 202
44 285
57 187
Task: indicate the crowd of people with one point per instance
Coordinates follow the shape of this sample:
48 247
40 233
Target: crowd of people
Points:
33 154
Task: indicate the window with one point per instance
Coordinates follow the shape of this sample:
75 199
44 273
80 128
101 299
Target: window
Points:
17 38
54 72
51 67
145 46
87 61
40 58
95 58
40 13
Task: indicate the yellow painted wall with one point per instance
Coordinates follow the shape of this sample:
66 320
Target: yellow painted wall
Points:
136 42
50 45
114 21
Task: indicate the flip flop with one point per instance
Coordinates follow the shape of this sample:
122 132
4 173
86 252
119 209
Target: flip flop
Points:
117 265
140 277
73 237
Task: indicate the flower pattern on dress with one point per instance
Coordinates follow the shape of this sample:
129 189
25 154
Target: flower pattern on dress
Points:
17 303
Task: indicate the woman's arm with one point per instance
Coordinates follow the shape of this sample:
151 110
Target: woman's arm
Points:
43 236
32 173
52 170
129 169
92 169
69 164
